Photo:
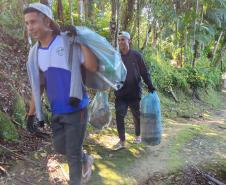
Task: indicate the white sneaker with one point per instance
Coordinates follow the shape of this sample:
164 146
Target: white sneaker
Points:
119 145
86 173
137 140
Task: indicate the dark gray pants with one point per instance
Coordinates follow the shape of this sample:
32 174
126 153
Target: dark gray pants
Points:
68 135
121 107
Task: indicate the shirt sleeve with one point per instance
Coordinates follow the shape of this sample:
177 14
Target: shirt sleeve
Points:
145 74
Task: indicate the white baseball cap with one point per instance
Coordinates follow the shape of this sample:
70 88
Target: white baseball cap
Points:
124 34
44 9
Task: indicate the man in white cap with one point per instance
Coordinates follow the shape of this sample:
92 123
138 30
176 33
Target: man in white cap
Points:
49 69
130 94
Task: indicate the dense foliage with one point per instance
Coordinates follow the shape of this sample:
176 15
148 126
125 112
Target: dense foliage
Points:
183 42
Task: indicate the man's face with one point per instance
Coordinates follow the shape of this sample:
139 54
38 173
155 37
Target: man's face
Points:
36 25
123 43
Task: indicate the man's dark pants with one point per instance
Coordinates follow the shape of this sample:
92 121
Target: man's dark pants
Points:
68 135
121 108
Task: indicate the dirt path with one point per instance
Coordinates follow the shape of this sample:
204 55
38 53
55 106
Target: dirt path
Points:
185 142
194 141
203 147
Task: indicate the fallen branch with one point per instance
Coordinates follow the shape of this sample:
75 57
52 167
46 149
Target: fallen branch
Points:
216 181
15 122
222 127
19 156
3 171
173 94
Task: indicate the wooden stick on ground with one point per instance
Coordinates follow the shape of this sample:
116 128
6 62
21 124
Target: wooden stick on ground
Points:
216 181
15 122
173 94
3 171
208 176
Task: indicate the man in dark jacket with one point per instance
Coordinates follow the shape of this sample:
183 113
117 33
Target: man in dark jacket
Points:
130 94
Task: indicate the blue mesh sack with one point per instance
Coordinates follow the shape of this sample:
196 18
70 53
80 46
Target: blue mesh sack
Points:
112 72
150 119
100 113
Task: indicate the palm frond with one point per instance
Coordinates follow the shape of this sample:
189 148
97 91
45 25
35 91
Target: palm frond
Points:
221 3
202 38
206 28
217 16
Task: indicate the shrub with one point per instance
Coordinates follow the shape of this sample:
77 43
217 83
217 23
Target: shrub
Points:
194 77
7 128
11 17
164 75
19 110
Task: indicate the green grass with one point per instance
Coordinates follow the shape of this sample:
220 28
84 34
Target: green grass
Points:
212 98
177 143
188 108
8 131
19 111
111 166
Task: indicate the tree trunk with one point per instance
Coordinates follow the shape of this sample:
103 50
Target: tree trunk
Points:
155 36
118 23
195 42
181 56
113 22
146 38
81 11
138 24
71 16
222 55
60 15
128 14
186 47
195 53
216 45
176 6
88 5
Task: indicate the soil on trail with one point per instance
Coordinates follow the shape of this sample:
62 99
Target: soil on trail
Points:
206 147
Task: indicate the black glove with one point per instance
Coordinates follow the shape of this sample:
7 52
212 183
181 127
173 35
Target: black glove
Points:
31 126
41 124
74 101
151 89
70 29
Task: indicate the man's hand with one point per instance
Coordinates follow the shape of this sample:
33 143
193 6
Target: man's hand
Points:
151 89
31 127
74 101
71 30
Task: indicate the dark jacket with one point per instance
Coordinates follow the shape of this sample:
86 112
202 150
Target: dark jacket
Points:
136 69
